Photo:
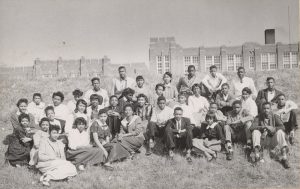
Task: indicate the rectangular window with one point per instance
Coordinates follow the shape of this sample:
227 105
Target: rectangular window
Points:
251 62
159 64
167 64
230 62
196 62
208 62
290 60
213 60
238 61
187 62
286 60
268 61
217 62
294 60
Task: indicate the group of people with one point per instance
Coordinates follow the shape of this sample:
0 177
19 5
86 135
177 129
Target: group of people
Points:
199 116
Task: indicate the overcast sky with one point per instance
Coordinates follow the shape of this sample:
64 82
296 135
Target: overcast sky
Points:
121 29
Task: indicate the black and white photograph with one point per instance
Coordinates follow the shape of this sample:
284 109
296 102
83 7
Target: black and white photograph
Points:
149 94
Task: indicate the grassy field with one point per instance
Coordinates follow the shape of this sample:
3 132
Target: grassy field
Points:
154 171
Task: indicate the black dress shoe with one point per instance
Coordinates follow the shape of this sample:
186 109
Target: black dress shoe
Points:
229 156
285 163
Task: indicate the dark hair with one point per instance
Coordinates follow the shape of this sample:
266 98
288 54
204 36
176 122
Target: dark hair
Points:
168 74
60 94
121 67
266 103
77 92
22 100
160 85
225 84
213 103
128 105
237 102
102 111
82 102
139 77
36 94
181 94
196 85
246 89
54 127
23 116
142 96
281 95
241 68
97 97
191 66
44 119
49 108
178 108
95 79
161 98
213 67
79 120
269 78
126 92
211 115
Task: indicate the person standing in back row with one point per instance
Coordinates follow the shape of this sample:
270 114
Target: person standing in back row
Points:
185 83
121 83
241 82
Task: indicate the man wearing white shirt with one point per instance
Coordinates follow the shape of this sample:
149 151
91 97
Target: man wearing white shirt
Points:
140 88
212 82
36 107
242 82
160 115
286 111
97 90
121 83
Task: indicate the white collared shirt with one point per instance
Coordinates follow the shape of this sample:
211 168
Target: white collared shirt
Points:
239 85
120 84
78 139
61 111
160 116
198 104
214 82
250 106
271 95
37 111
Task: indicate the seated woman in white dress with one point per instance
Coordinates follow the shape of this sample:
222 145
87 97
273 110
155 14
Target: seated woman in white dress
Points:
52 160
248 103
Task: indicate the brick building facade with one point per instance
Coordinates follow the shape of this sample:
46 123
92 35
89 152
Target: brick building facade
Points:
166 55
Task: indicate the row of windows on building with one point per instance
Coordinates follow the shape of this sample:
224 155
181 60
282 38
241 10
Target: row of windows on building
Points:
268 62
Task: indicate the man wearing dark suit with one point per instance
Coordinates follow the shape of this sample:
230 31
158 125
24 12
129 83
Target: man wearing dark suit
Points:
178 133
270 94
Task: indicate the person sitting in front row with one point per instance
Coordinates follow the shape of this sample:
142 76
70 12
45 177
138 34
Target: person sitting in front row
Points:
269 127
210 137
286 111
178 133
224 99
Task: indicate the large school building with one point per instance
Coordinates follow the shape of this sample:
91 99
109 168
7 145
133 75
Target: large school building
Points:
166 55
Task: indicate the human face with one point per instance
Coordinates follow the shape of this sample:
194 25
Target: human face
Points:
191 71
56 100
25 122
210 120
167 79
95 102
159 90
122 73
213 72
81 107
266 109
54 135
129 97
140 83
141 101
270 84
45 126
161 104
178 114
213 108
182 99
281 101
50 114
81 127
245 95
37 100
103 117
23 107
128 111
241 73
237 108
225 89
197 90
96 85
114 101
76 98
